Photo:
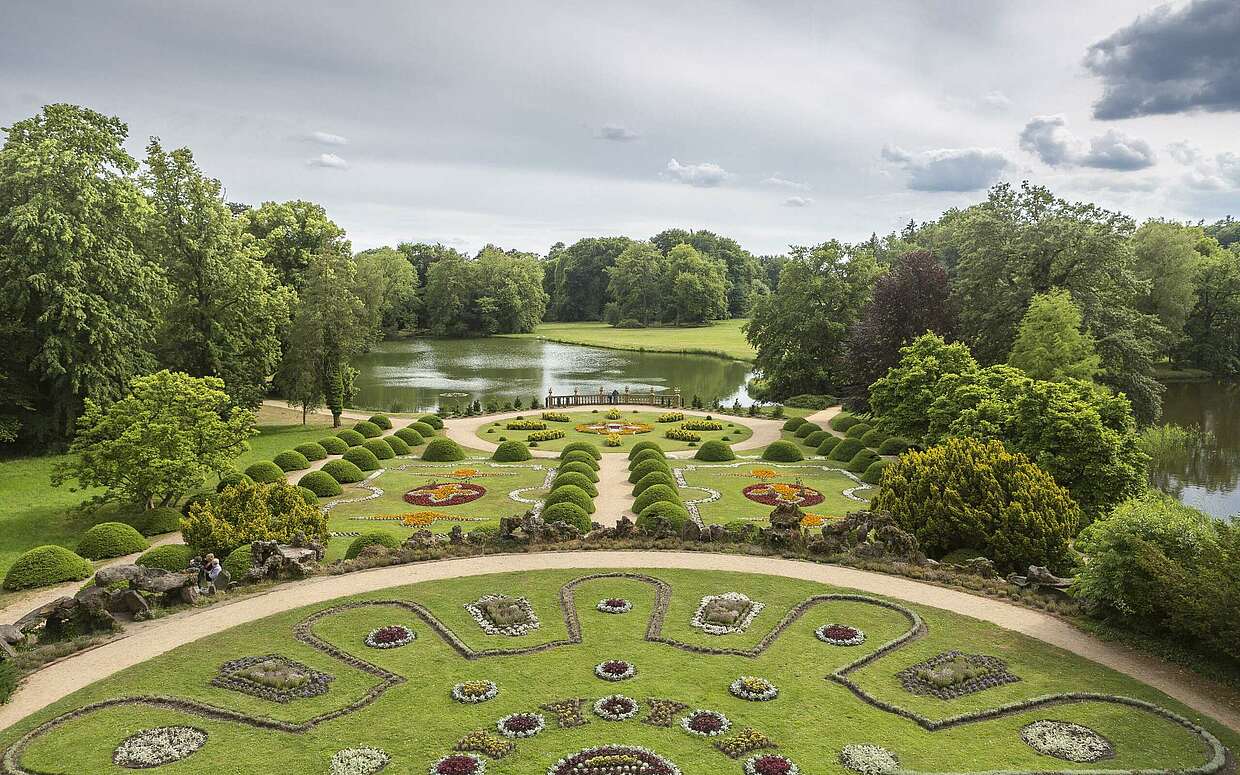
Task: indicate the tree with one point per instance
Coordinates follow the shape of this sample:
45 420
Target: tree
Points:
248 512
1050 344
227 309
1225 230
287 236
1167 260
901 398
581 277
1212 330
79 295
160 441
909 300
496 293
698 287
639 283
388 286
421 255
740 268
800 330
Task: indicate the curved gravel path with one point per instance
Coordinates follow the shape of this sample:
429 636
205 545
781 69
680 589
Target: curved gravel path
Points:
150 639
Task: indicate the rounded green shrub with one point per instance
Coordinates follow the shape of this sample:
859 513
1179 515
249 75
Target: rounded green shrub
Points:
805 429
579 456
571 494
654 494
433 420
311 451
782 452
333 445
398 445
859 430
375 538
350 437
828 444
577 480
362 458
410 437
229 480
581 446
382 421
569 513
896 445
368 429
578 467
714 452
169 557
644 455
814 439
511 451
873 438
157 521
238 563
442 449
645 467
44 565
422 429
186 507
874 473
265 472
843 421
674 513
863 460
640 446
291 460
343 471
110 539
321 484
380 448
308 495
846 450
792 423
651 479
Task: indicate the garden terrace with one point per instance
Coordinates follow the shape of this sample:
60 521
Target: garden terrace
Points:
750 489
625 425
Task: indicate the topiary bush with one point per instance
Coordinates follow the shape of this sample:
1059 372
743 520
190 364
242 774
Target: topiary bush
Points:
792 423
641 446
805 429
577 480
350 437
714 452
894 445
645 467
333 445
433 420
442 449
782 452
257 512
828 444
582 446
375 538
343 471
644 455
511 451
571 494
862 460
362 458
382 421
858 431
810 401
569 513
422 429
846 450
44 565
308 495
157 521
290 460
311 451
321 483
110 539
814 439
674 513
651 479
578 467
873 438
368 429
380 448
842 422
410 437
578 456
238 563
874 473
398 445
229 480
265 472
654 494
169 557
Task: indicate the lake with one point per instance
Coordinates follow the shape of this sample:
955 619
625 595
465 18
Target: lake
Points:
1207 477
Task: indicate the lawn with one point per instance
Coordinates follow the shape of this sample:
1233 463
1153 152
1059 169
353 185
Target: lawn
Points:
729 480
398 699
723 338
732 432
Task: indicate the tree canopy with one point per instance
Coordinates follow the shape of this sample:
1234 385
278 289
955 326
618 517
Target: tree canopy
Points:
287 235
1050 343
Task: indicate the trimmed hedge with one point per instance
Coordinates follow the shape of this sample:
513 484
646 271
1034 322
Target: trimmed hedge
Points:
44 565
569 513
782 452
654 494
581 446
814 439
810 400
368 429
110 539
644 455
376 538
382 421
291 460
843 421
846 450
423 430
828 444
792 423
873 438
570 494
643 445
674 513
651 479
397 444
265 472
714 451
578 467
863 460
645 467
578 456
229 480
169 557
442 449
362 458
858 430
343 471
433 420
511 451
333 445
238 563
157 521
312 451
350 437
321 483
381 448
410 437
308 495
896 445
874 474
577 480
805 429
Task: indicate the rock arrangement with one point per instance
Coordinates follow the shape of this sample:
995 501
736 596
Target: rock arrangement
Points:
272 561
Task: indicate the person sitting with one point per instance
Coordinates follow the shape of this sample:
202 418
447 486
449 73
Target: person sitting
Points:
207 574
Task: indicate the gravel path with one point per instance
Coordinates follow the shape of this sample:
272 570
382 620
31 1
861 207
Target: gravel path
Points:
149 639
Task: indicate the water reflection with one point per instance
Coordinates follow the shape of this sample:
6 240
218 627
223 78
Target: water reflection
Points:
1206 477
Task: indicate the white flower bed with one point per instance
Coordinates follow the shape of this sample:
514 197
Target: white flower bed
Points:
766 692
686 723
606 606
480 765
583 761
512 630
540 724
752 764
1068 741
868 759
406 638
712 628
628 707
158 746
458 693
855 640
630 670
359 761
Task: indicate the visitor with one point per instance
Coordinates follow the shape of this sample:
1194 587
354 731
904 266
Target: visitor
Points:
207 573
615 396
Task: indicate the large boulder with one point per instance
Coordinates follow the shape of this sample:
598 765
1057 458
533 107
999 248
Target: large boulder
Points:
870 535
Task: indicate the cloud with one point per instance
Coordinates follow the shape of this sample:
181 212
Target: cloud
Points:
617 133
1171 60
328 161
704 175
1116 151
1184 152
948 169
1049 138
996 100
327 138
778 182
1218 173
798 201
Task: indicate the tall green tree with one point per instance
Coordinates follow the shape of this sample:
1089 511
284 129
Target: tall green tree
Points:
581 277
288 235
388 286
1212 330
698 287
1050 343
421 255
902 397
1167 260
638 283
740 268
79 295
228 310
496 293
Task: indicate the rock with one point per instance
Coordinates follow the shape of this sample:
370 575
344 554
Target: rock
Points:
978 566
691 531
106 577
870 535
272 560
1040 575
422 539
11 634
457 536
714 533
624 528
70 616
127 601
787 517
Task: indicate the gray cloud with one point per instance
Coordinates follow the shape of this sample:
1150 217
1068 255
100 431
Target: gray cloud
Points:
617 133
328 161
704 175
1184 152
948 169
1116 151
1049 138
798 201
327 138
1171 60
781 182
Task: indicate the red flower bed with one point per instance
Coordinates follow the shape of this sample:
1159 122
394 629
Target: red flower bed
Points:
447 494
772 764
839 632
773 494
458 764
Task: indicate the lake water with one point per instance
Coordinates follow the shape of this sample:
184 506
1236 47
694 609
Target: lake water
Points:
1207 478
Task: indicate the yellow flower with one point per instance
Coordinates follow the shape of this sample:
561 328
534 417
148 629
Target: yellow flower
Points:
465 473
763 473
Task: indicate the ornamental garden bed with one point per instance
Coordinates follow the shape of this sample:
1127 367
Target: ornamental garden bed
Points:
750 489
627 429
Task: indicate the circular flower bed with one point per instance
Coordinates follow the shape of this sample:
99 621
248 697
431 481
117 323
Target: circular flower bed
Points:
617 427
706 723
474 691
1068 741
158 746
868 759
616 707
614 760
359 761
773 494
615 670
446 494
771 764
749 687
614 605
519 725
459 764
390 637
840 635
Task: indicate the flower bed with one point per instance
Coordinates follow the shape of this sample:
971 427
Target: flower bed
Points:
555 417
272 677
446 494
526 425
483 742
503 615
776 493
567 712
868 759
616 426
158 746
614 760
702 425
459 764
952 674
840 635
614 414
771 764
752 688
680 434
1067 741
547 435
418 518
740 743
614 605
613 440
706 723
662 713
731 612
473 692
615 670
616 707
671 417
390 637
358 761
521 725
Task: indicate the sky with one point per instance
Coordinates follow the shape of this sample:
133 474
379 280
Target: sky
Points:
780 122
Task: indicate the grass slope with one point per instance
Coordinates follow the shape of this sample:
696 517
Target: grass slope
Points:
723 338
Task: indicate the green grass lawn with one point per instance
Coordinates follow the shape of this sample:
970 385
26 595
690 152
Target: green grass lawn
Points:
723 338
730 479
496 430
415 721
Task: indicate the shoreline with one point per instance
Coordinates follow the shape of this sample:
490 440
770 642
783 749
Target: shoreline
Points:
670 351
